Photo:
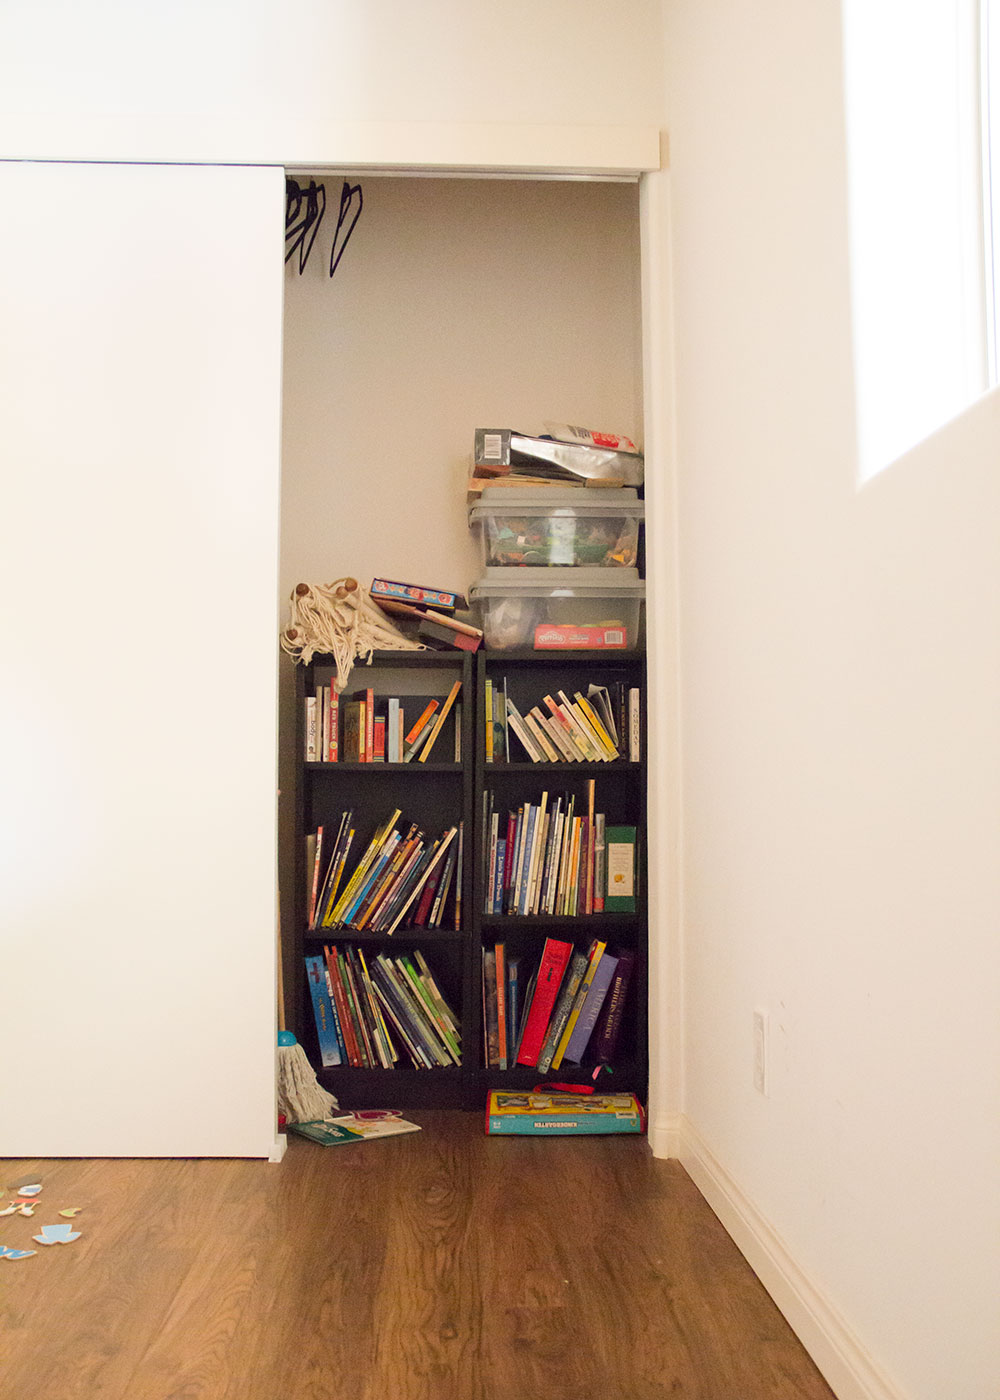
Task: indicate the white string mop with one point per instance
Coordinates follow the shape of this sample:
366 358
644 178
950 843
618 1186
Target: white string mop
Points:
301 1098
339 619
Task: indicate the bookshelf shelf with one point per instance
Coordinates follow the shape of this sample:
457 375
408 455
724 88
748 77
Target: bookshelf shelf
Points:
446 794
403 937
610 923
374 771
540 769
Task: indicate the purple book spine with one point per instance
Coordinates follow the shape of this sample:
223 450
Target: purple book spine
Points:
610 1024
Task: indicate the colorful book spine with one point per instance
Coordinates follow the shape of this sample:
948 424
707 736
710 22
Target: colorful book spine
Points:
563 1115
594 956
607 1032
314 889
333 725
501 980
560 1015
417 593
326 1035
343 1006
555 956
591 1009
439 723
418 733
513 1005
620 859
490 1008
600 870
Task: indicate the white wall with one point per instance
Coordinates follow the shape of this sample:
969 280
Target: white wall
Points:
457 304
841 671
140 379
255 81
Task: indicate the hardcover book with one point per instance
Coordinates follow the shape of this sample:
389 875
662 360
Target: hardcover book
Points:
619 852
326 1034
587 1018
555 956
604 1041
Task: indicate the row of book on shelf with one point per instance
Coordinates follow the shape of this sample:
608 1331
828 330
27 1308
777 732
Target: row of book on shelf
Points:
369 1013
369 728
400 874
570 1010
553 857
598 727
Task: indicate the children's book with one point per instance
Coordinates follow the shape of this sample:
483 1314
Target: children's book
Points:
561 1115
354 1127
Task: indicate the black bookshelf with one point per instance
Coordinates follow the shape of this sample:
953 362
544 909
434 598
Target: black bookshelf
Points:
437 794
621 794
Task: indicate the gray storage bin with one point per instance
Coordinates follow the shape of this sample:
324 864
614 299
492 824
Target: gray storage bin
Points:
557 609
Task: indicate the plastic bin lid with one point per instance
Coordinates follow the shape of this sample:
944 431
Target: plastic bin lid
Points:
576 500
559 583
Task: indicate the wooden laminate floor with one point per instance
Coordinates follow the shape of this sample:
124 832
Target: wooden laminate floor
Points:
444 1265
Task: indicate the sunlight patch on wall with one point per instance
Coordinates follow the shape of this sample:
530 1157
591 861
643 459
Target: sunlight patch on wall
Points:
915 207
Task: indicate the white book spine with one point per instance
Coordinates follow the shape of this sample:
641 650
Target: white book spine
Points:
393 754
310 729
634 741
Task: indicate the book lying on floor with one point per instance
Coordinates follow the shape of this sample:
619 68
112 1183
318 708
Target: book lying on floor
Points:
351 1127
557 1114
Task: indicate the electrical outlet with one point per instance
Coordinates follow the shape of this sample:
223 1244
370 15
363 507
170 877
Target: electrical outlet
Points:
760 1049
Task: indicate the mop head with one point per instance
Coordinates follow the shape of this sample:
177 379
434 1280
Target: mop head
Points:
300 1098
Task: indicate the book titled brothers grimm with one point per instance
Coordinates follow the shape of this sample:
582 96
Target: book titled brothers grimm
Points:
604 1041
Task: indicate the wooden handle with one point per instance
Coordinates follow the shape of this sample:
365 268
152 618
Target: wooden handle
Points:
281 975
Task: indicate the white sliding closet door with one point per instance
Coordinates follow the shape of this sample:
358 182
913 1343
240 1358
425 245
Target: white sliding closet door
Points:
140 373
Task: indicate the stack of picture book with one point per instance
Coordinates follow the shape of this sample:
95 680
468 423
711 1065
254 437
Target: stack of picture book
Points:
400 875
370 1012
570 1011
370 728
553 857
558 1114
598 727
363 1125
429 612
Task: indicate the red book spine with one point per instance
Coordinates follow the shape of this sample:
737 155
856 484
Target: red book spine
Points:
501 964
555 956
369 725
333 752
343 1009
427 896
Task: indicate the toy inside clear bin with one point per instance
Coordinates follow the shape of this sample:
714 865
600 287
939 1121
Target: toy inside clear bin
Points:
510 622
558 528
514 605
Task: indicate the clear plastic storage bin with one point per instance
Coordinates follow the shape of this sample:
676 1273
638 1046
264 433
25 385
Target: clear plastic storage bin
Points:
580 527
551 610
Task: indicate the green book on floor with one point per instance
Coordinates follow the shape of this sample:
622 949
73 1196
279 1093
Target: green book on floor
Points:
325 1133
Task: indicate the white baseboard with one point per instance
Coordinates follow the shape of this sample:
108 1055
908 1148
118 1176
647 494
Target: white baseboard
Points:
279 1149
664 1134
848 1368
